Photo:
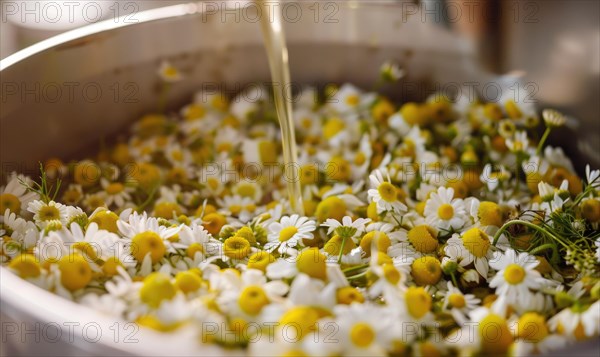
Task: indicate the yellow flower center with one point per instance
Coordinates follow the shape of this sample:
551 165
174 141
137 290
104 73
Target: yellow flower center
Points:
246 233
312 263
362 335
331 207
195 111
382 240
514 274
115 188
391 274
353 100
348 294
423 238
332 127
157 288
246 190
590 210
147 243
513 109
457 300
306 123
532 327
387 191
426 270
75 272
71 197
236 247
220 102
476 242
109 268
86 249
26 265
294 353
235 209
49 213
193 249
170 72
167 210
309 174
489 214
188 281
252 299
11 202
337 243
177 155
286 233
213 222
301 318
337 169
260 260
496 338
224 147
212 183
146 175
360 158
106 220
267 151
418 301
86 173
446 211
428 349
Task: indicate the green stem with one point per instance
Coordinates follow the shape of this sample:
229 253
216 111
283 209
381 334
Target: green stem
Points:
360 275
141 207
342 249
358 267
543 140
518 172
542 247
454 280
162 99
526 224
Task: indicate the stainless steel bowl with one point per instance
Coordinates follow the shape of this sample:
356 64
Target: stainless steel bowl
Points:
61 96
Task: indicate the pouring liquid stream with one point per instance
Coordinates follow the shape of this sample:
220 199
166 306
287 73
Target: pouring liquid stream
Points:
277 54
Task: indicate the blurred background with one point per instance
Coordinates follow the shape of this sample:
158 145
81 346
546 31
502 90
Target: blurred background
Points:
545 42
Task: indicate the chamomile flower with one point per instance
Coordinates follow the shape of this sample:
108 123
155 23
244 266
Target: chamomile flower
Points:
553 118
363 329
349 98
459 304
494 178
445 212
116 193
45 213
248 293
415 304
169 73
477 337
576 323
520 142
14 195
244 208
473 246
309 261
385 194
347 227
290 231
592 177
147 236
390 72
516 276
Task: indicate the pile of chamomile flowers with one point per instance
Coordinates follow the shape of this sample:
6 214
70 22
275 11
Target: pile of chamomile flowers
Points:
434 228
